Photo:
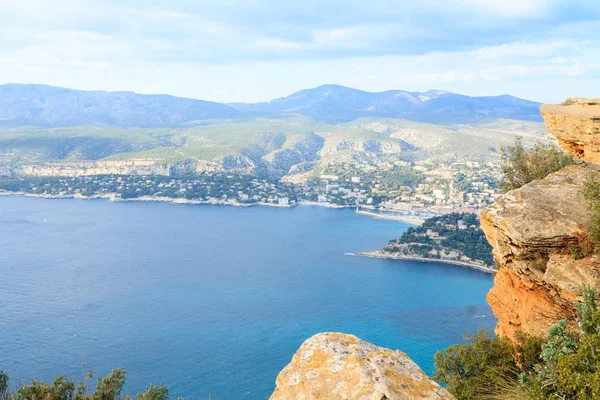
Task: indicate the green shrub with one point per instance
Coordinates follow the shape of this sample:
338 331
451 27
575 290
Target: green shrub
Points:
3 385
591 194
520 166
563 365
575 252
108 388
475 369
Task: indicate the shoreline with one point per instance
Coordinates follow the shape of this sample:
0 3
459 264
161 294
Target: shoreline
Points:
380 254
412 220
113 198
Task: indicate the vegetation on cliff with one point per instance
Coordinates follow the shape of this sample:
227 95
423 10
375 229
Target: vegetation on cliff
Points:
521 165
455 235
591 194
107 388
563 365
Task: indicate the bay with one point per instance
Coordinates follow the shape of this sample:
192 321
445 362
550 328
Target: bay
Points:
211 298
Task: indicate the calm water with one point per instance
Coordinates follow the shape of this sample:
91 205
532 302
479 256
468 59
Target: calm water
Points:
211 298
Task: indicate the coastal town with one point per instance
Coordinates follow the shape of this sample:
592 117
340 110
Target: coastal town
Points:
419 189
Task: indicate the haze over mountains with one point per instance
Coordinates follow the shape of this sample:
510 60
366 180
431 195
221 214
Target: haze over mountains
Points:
292 136
48 106
335 104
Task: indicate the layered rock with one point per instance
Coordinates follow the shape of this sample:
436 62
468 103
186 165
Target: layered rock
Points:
576 124
531 230
331 366
538 232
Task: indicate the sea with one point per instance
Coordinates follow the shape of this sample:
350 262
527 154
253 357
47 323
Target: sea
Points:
211 299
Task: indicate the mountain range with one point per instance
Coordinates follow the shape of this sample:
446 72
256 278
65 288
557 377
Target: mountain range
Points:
335 104
48 106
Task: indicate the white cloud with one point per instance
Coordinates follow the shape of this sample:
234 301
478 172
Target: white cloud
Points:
275 44
228 51
511 8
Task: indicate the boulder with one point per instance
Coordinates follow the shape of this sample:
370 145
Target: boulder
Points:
331 366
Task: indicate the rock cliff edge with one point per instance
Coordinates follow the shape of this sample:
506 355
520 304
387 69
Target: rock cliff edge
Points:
534 229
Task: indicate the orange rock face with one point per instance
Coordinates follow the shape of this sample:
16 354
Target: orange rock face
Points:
534 229
524 306
531 230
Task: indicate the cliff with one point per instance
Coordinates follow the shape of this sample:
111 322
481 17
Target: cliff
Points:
81 168
576 125
534 231
339 366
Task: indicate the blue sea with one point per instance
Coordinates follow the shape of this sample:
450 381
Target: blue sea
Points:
211 298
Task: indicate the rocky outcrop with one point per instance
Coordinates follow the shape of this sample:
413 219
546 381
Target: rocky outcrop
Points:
532 230
331 366
538 232
576 124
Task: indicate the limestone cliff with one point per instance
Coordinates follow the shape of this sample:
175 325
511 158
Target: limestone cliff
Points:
576 124
81 168
531 230
534 229
331 366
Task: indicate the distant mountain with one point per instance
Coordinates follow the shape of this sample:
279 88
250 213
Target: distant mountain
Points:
335 104
48 106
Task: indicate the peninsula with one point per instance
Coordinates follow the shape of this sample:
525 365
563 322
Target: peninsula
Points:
454 238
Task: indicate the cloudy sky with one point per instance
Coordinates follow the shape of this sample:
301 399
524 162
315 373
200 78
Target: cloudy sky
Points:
250 50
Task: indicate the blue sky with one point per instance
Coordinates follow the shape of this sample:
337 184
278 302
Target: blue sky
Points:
227 50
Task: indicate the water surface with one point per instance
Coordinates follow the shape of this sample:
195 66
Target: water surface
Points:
209 298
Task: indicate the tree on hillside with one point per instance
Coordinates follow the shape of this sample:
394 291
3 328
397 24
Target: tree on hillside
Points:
521 166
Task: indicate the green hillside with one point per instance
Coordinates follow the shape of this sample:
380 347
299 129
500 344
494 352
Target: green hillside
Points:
275 146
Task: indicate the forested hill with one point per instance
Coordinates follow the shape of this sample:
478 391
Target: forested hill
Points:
449 236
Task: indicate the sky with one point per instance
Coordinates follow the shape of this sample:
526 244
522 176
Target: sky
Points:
251 50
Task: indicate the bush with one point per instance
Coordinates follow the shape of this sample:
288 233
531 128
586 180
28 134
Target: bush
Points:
475 369
591 194
108 388
575 252
520 166
3 385
563 365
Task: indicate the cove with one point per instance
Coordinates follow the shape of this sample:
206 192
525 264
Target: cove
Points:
211 298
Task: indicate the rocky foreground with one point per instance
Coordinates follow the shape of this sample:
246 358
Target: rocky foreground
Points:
340 366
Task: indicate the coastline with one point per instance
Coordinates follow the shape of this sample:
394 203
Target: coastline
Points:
113 197
213 201
380 254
